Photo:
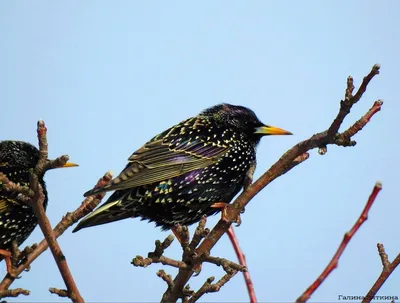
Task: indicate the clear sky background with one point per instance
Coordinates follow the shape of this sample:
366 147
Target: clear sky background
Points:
106 76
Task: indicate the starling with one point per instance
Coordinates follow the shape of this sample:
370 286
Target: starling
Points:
17 220
181 174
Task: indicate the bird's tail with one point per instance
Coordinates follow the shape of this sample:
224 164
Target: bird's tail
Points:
110 211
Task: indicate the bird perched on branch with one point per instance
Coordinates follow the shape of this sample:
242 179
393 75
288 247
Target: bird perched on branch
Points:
17 220
191 169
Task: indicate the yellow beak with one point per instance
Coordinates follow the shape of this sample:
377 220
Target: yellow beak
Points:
69 164
271 130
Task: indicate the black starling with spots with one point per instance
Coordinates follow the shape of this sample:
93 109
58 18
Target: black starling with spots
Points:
179 175
17 220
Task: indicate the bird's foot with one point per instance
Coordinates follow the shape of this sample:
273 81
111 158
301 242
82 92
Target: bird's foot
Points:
226 213
7 258
21 256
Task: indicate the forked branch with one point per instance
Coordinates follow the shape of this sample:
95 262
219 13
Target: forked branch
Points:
34 198
346 239
293 157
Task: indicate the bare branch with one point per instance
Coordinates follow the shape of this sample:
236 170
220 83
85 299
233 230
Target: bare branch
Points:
208 287
363 87
68 220
346 239
36 203
63 293
388 269
384 257
242 261
297 154
350 100
13 292
167 278
227 265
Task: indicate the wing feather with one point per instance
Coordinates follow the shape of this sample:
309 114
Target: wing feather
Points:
181 149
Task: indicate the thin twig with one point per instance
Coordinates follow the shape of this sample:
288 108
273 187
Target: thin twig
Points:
13 292
242 261
167 278
388 269
36 204
68 220
191 260
350 100
208 287
289 160
346 239
157 256
200 233
60 292
227 265
384 257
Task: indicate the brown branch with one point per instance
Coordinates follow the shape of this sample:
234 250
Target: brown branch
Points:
167 278
350 100
191 260
36 203
139 261
190 257
68 220
296 155
346 239
388 269
208 287
384 257
157 256
363 87
14 292
344 138
60 292
200 233
242 261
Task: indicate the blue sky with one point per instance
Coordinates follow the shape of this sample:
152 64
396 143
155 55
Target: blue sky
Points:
106 76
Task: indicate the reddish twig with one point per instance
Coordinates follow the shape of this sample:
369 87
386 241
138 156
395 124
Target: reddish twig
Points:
387 270
68 220
36 203
242 261
346 239
296 155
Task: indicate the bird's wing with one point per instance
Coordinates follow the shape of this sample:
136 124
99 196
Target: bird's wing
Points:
183 148
5 203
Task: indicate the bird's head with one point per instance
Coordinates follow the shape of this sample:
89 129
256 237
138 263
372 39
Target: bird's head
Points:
242 119
21 154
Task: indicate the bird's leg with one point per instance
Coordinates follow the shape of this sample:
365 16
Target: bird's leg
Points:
7 258
20 256
248 180
226 210
249 175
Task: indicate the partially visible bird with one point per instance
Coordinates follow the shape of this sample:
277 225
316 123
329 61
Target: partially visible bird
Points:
187 171
17 220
